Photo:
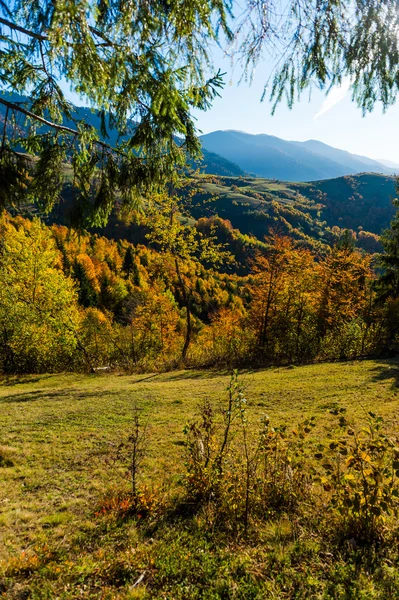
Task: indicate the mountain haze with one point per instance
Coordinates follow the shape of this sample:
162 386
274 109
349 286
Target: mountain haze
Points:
211 163
234 153
274 158
390 164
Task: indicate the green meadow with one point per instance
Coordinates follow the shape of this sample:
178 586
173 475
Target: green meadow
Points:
58 450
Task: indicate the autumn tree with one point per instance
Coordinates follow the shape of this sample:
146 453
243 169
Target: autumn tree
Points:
174 235
154 327
268 282
39 318
283 290
303 306
345 278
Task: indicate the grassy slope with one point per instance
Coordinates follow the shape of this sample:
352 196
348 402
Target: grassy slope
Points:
310 208
58 431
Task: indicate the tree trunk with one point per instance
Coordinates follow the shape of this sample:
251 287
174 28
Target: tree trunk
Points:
188 334
186 301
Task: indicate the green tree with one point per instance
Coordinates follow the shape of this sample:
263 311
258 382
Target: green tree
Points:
320 42
130 267
388 282
138 65
128 260
87 294
39 317
171 232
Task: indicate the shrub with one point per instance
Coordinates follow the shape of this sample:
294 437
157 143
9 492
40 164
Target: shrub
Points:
361 471
244 472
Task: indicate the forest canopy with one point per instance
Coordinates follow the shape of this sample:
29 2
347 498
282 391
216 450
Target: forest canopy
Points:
143 67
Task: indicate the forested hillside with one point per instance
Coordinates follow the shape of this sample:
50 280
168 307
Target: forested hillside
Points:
312 213
82 301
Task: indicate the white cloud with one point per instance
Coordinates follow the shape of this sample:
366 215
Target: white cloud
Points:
336 95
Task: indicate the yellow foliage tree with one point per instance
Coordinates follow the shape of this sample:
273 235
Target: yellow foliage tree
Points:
38 303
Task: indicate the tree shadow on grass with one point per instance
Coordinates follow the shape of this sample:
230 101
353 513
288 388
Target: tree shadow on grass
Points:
55 395
387 370
205 374
145 378
14 380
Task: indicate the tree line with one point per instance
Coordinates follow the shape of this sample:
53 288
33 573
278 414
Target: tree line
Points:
79 301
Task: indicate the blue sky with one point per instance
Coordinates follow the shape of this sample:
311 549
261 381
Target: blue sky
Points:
334 120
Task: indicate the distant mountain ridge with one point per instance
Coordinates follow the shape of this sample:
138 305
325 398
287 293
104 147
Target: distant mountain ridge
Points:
233 153
389 163
212 163
268 156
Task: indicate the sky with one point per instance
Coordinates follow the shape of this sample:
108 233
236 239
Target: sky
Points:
332 119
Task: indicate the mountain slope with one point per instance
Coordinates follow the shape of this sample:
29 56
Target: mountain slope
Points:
390 164
314 213
212 163
271 157
354 162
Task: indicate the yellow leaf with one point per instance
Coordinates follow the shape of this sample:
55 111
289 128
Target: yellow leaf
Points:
366 457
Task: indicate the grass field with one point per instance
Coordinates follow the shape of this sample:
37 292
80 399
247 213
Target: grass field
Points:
58 435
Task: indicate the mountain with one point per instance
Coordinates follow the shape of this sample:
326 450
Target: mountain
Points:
212 163
354 162
272 157
314 213
390 164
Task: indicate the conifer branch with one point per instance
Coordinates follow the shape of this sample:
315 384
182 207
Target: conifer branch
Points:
64 128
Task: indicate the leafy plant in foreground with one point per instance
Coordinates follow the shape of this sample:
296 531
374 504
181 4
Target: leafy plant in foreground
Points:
244 471
362 473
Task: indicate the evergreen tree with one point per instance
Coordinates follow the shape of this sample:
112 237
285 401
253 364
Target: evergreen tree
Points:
128 260
87 294
136 275
346 241
139 65
388 282
66 263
